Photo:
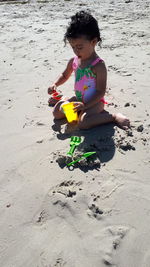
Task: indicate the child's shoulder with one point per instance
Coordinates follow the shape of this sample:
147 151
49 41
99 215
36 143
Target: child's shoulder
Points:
98 61
99 67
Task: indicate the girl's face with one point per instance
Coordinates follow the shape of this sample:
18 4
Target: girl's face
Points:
82 47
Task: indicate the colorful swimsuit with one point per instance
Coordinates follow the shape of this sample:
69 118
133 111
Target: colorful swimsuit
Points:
85 81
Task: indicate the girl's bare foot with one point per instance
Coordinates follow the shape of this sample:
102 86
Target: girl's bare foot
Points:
122 121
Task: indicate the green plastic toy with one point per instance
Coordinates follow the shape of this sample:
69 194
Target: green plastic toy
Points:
85 155
74 142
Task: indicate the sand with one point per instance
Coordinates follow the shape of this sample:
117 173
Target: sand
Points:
98 213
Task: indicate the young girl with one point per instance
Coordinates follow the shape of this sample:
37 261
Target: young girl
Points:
90 75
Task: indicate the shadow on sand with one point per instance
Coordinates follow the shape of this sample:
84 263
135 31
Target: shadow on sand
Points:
99 139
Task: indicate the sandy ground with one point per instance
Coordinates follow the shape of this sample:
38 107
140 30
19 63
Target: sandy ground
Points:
98 214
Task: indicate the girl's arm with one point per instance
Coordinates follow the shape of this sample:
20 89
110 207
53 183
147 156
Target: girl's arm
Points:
101 80
63 77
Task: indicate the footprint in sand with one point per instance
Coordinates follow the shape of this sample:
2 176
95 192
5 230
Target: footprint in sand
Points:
114 234
57 200
59 263
67 188
95 211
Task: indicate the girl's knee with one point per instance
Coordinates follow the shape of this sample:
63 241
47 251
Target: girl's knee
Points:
57 111
57 115
82 122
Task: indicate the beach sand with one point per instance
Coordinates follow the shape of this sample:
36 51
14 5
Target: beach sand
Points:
97 214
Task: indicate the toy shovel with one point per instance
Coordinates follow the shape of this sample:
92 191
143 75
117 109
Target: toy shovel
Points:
74 142
85 155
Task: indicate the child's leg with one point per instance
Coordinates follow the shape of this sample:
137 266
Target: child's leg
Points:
97 115
57 111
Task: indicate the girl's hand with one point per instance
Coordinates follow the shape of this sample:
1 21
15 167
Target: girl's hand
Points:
78 106
52 89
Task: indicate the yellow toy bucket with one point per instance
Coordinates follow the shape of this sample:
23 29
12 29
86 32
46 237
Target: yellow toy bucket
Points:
71 115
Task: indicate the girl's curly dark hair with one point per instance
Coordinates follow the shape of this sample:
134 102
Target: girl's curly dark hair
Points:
83 24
